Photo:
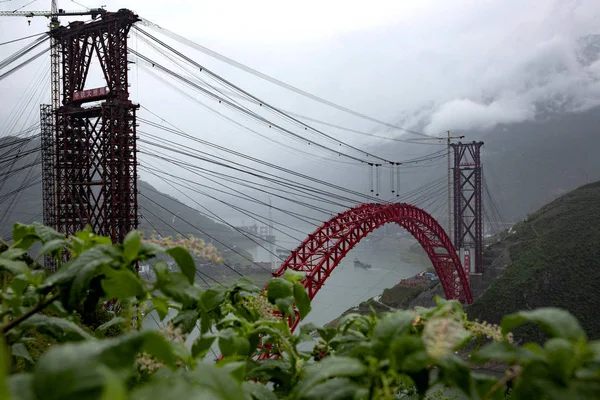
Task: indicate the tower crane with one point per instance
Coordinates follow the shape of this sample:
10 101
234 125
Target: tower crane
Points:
54 14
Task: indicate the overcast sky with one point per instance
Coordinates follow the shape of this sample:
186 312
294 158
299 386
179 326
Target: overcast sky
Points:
428 65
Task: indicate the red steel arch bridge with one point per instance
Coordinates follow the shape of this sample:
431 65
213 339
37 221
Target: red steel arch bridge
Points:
322 251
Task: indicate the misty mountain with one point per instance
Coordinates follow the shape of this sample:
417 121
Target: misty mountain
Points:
21 200
531 162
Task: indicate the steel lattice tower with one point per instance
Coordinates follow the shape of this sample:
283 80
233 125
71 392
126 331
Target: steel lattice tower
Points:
468 204
90 168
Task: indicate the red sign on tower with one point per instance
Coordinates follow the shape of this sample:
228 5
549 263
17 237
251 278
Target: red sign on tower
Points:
467 263
90 94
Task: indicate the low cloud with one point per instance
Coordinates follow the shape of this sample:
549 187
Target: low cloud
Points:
466 114
555 75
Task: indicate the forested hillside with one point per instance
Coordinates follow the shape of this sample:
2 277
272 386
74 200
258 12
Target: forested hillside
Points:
554 261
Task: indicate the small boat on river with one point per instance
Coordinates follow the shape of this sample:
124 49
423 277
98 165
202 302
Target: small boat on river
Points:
360 264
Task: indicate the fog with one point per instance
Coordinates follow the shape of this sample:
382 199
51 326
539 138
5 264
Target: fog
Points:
426 66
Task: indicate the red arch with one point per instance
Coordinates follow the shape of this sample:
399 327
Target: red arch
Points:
323 250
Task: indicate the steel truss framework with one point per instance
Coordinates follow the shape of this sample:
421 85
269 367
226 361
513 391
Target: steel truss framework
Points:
48 177
468 201
323 250
94 147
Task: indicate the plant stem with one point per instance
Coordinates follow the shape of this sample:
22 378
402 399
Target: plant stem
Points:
514 372
39 307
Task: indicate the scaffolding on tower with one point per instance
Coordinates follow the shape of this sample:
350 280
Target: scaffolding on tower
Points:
468 205
89 153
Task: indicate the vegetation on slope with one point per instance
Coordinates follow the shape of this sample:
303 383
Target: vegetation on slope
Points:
555 262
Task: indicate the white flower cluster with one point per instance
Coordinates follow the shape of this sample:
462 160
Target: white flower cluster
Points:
192 244
491 331
443 335
261 305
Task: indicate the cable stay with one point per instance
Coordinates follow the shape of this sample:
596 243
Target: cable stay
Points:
260 101
268 78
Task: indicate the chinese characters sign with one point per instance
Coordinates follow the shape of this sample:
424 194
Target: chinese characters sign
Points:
467 262
90 94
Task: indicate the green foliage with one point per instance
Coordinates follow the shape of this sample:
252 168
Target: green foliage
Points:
401 354
554 261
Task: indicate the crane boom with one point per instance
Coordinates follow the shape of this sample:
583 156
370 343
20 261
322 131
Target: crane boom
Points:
49 14
54 14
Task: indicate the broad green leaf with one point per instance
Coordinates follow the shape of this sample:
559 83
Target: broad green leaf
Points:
336 388
291 275
285 306
553 321
19 284
231 343
101 330
19 350
186 320
175 387
149 250
594 347
85 266
162 306
327 333
161 348
131 246
122 284
4 370
484 383
218 381
389 327
114 388
237 369
202 345
90 239
330 367
161 270
535 379
51 247
257 391
408 354
212 298
46 233
89 269
454 372
21 387
184 261
59 328
178 288
278 288
302 300
505 352
353 319
75 365
14 267
277 370
246 285
12 253
205 322
561 358
24 236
